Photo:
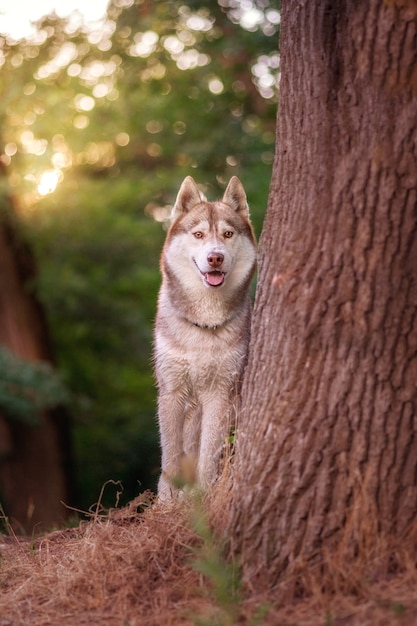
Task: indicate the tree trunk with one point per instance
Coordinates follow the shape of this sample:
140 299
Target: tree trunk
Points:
327 437
34 460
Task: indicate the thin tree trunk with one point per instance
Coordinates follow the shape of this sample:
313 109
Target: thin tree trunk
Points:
34 461
327 438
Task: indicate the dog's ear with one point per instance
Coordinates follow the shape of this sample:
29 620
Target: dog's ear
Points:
235 197
188 197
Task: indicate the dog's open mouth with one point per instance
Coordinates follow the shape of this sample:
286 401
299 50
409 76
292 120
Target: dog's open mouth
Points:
214 279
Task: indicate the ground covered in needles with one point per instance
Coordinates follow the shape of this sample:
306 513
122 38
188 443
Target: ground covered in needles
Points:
162 565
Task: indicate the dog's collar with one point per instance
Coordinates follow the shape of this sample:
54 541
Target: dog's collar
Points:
206 326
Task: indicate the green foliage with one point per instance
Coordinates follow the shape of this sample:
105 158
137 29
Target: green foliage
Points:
398 609
26 388
328 619
100 294
223 577
116 118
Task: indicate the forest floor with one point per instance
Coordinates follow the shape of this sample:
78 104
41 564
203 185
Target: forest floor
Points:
161 567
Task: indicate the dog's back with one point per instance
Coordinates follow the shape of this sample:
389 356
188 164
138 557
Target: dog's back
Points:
202 328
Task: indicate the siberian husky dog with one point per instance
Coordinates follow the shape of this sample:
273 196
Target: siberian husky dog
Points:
202 329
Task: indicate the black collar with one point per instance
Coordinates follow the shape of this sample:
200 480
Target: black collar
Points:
205 326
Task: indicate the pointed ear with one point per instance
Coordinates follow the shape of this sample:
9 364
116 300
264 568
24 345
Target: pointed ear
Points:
188 197
235 197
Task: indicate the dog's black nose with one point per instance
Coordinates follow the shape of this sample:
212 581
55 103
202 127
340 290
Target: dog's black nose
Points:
215 259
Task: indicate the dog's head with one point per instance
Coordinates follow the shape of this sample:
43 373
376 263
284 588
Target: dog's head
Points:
213 240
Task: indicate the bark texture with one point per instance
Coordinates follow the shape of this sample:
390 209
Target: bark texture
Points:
327 438
34 460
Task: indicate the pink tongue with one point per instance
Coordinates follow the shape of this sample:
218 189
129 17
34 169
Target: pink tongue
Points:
214 278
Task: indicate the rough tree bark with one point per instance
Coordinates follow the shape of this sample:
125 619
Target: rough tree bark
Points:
327 438
34 460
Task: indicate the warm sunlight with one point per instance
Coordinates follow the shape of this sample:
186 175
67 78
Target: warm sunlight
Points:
49 181
17 17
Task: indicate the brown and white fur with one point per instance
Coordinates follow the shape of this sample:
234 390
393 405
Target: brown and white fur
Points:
202 328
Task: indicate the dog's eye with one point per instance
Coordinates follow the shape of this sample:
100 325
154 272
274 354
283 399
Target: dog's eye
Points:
198 234
228 234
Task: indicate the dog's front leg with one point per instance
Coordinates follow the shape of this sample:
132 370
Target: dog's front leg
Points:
214 428
171 414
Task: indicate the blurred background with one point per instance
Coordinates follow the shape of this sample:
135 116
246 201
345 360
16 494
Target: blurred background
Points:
103 112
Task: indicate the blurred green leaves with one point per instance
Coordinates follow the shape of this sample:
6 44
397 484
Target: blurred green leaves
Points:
26 388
